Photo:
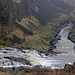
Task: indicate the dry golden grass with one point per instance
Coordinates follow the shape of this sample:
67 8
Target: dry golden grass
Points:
34 21
18 33
38 70
33 37
5 73
1 46
26 24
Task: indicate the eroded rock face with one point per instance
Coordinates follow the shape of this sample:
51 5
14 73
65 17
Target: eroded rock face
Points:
12 10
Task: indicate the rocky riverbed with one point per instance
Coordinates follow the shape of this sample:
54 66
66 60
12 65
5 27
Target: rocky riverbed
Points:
13 57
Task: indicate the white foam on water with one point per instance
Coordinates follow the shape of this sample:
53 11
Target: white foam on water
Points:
55 61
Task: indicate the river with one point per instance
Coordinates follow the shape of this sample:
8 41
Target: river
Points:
64 47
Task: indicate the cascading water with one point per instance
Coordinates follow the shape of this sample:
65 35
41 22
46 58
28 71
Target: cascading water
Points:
64 47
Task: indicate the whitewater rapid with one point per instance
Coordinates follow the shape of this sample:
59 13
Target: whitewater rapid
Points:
64 47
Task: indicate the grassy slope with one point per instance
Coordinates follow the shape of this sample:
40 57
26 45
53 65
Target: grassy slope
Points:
41 41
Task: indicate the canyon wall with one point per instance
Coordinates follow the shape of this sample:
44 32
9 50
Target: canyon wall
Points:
10 11
32 23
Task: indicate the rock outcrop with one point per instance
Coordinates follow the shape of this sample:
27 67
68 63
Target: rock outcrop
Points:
12 10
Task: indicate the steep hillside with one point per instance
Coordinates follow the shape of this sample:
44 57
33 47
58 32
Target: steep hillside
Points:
10 12
32 23
49 9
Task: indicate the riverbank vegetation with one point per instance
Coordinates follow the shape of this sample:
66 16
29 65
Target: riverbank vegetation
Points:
38 70
72 32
